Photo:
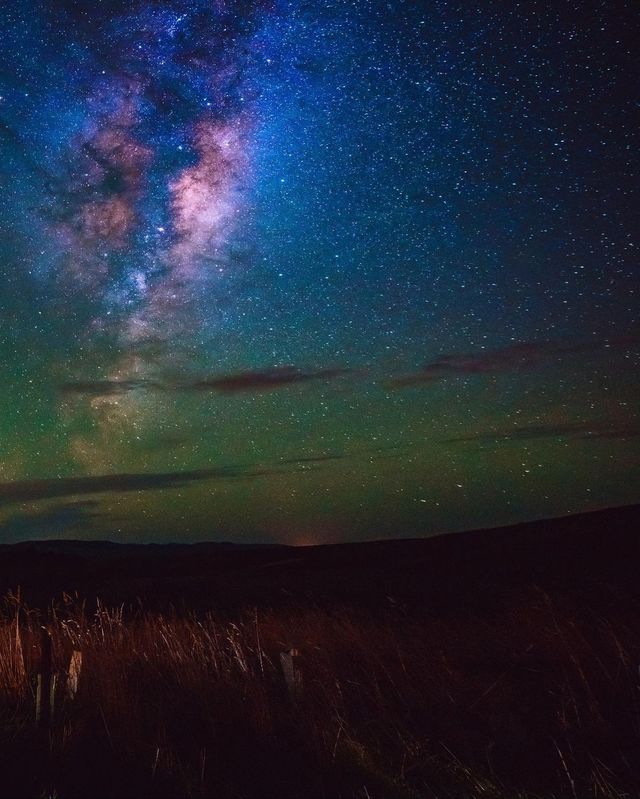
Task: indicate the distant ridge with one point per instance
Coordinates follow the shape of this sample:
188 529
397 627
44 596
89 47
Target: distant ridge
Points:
586 552
87 547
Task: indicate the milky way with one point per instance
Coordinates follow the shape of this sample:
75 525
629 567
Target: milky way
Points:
353 270
152 187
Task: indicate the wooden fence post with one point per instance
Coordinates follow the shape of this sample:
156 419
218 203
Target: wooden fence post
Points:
44 694
290 662
73 676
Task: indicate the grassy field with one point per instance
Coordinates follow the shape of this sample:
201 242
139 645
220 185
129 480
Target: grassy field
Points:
528 703
530 691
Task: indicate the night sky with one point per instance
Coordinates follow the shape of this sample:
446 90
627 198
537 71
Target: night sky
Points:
315 271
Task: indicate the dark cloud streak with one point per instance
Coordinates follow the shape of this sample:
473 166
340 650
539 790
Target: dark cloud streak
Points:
524 356
34 490
250 380
265 379
314 459
574 430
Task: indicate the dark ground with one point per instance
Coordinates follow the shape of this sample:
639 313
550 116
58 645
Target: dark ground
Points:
594 553
499 663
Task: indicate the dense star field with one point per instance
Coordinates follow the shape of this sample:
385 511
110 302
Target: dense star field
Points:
310 271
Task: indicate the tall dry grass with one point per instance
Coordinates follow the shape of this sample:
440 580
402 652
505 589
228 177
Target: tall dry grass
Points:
536 701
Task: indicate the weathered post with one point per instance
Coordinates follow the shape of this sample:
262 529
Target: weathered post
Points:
73 675
290 662
45 705
46 688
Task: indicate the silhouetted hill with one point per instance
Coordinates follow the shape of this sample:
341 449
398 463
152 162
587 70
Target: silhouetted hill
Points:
100 550
584 552
491 662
